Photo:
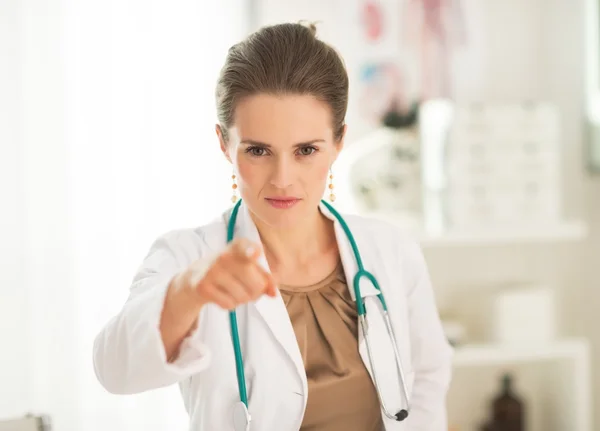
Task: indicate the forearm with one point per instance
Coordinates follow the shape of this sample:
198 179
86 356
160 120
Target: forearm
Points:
179 315
145 345
129 352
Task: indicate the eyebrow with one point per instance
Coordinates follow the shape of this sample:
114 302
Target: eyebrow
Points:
264 145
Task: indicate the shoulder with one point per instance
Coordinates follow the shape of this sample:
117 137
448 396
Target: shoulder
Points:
394 247
371 230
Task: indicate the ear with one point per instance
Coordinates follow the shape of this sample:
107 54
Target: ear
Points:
222 142
339 145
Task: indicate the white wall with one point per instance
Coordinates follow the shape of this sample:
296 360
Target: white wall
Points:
106 141
13 298
33 165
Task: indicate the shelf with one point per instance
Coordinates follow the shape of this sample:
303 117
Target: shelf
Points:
533 233
491 354
567 231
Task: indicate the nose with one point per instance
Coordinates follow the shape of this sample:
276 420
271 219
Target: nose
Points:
282 173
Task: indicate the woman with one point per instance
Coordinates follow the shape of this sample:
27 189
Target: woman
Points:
281 100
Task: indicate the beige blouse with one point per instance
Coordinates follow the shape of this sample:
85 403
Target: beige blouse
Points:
341 394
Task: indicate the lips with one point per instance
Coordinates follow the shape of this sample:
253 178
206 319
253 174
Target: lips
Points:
282 202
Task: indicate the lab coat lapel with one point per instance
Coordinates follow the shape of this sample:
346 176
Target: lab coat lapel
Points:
272 310
384 363
347 256
383 353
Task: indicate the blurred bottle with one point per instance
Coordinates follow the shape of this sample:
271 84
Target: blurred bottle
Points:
508 409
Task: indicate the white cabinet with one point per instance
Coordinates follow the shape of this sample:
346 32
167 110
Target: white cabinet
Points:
553 379
503 164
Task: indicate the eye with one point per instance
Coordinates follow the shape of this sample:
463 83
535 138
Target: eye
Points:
307 151
256 151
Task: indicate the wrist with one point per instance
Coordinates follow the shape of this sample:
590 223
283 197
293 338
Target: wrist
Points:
184 295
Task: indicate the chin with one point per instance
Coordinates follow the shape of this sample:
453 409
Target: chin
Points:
284 222
283 218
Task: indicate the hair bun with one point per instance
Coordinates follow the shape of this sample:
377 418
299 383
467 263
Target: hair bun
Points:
311 26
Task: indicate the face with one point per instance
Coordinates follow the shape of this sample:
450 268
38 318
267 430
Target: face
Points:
282 148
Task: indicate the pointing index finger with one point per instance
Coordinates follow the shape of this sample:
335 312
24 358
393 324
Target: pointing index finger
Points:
253 252
247 249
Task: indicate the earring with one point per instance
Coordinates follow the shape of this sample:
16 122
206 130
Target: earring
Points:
331 195
234 187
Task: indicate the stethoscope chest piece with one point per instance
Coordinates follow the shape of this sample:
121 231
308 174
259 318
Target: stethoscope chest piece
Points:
241 417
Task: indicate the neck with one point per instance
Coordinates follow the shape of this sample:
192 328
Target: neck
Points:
297 246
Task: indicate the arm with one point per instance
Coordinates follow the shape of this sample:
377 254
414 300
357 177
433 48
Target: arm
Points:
430 350
132 352
179 316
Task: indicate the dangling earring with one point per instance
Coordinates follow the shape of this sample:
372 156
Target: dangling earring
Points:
234 187
331 195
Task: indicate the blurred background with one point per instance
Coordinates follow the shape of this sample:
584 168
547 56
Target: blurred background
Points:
472 125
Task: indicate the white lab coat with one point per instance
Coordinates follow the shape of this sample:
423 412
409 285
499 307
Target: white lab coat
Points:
129 356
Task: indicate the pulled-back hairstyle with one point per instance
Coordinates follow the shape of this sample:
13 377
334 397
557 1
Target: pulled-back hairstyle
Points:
283 59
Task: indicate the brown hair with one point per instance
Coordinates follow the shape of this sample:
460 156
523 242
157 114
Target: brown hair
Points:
283 59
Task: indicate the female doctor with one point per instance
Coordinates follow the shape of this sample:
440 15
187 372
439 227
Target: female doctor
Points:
258 316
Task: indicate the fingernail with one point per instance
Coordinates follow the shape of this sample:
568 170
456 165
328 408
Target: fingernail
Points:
249 251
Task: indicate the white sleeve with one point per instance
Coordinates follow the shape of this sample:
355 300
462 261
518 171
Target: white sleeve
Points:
129 355
431 353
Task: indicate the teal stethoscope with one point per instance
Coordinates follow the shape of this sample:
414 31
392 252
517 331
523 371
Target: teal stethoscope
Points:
241 414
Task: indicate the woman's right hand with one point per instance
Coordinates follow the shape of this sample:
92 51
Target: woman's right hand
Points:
234 278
